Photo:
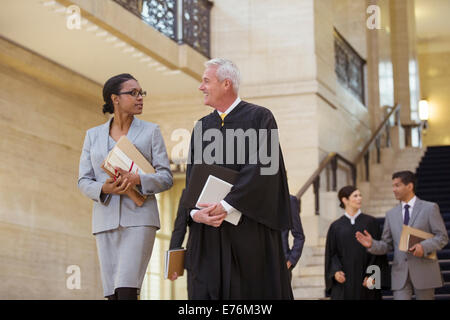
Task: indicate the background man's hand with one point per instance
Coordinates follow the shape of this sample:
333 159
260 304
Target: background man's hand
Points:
417 250
365 239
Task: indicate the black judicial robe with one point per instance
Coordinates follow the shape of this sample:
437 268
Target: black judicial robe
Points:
244 261
344 253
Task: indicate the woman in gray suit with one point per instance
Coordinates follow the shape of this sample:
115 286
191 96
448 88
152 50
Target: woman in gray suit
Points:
124 232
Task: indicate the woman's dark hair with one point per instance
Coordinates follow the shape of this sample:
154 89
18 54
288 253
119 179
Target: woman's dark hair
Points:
113 86
345 192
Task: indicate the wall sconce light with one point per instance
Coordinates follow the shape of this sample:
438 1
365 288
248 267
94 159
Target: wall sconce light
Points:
424 112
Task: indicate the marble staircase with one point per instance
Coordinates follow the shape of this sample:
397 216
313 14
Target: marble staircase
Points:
380 198
308 282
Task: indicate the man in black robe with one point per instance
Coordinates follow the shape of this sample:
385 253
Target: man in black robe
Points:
243 261
344 253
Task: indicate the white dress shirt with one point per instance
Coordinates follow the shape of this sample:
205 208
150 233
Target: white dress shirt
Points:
230 108
352 218
411 205
229 209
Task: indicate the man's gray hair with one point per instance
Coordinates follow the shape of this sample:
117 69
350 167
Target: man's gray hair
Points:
226 70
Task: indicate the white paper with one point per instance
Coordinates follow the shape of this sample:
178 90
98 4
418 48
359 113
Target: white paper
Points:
166 264
119 159
214 191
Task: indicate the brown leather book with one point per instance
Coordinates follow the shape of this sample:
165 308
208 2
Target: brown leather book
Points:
174 262
413 240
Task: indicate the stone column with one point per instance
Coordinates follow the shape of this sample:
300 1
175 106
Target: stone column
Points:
404 60
373 89
273 45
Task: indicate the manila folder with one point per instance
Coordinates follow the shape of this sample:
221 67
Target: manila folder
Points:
410 236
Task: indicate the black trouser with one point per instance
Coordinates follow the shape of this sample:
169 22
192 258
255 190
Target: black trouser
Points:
198 290
124 294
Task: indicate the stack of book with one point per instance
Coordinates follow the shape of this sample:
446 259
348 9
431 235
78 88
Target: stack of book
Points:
411 236
127 157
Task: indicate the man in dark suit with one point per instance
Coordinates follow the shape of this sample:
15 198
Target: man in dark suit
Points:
293 254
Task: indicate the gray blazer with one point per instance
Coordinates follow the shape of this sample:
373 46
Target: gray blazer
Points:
110 210
424 273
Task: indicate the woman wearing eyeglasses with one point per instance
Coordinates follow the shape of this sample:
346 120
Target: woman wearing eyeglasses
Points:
124 232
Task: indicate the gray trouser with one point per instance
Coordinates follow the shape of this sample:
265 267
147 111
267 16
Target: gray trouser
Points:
407 291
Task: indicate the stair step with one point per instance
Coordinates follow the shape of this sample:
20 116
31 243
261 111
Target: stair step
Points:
444 254
322 241
437 297
445 264
431 181
443 165
446 276
308 281
309 293
441 291
383 203
378 211
383 195
316 260
426 190
445 289
318 250
432 171
424 180
313 270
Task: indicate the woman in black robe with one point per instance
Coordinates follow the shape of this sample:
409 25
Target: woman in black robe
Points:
346 260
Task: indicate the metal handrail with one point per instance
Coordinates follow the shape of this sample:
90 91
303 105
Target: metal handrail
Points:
316 173
332 158
376 134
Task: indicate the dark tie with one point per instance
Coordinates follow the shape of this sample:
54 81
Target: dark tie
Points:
406 219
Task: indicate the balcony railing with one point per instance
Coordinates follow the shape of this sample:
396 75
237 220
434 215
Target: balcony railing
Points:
184 21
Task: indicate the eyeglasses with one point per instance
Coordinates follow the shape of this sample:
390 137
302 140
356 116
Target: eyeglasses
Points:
135 93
